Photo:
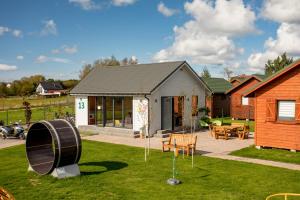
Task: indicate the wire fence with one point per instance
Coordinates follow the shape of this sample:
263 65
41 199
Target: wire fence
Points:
49 112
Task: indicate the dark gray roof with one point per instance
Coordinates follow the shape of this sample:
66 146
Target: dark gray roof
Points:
129 79
51 85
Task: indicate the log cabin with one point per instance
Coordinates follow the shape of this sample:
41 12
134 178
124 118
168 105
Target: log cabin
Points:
238 79
218 102
277 109
243 107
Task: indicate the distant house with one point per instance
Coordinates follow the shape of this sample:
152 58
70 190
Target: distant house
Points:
128 99
243 107
50 89
218 102
238 79
277 104
8 85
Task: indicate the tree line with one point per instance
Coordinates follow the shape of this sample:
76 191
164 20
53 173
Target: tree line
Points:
112 61
26 86
271 67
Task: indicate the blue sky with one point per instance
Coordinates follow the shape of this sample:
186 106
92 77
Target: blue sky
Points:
55 38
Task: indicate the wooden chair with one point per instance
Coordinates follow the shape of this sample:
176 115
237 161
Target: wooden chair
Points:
5 195
211 131
243 132
219 131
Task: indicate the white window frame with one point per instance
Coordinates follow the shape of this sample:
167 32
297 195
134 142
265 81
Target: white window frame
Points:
245 101
286 110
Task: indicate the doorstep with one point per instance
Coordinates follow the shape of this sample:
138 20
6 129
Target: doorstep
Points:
110 131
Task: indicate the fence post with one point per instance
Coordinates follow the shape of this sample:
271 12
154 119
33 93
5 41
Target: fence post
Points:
44 113
7 117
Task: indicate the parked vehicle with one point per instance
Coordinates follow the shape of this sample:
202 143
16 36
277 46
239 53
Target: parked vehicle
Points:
14 130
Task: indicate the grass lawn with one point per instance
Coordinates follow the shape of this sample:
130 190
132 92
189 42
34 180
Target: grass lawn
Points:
227 120
269 154
17 102
38 114
119 172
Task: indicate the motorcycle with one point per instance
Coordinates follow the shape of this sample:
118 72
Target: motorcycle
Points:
14 130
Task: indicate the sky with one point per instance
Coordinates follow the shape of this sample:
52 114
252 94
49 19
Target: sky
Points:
56 38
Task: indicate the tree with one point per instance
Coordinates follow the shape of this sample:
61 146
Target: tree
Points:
27 112
3 90
228 72
205 73
69 84
85 70
111 61
130 61
277 64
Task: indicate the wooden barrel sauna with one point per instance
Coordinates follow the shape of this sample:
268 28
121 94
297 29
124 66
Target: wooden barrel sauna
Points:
52 144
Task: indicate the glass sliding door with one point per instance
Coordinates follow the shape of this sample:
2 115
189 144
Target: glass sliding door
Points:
128 112
92 110
118 114
99 111
109 111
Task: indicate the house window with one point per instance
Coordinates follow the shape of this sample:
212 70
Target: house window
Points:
286 110
245 101
194 105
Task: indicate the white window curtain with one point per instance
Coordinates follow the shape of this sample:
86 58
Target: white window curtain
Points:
286 109
245 101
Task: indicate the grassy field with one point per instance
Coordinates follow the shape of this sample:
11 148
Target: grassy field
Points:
119 172
46 113
269 154
16 102
227 120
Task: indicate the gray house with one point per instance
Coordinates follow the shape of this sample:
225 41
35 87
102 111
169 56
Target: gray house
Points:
156 96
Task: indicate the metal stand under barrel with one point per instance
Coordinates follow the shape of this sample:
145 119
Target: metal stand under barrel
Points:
173 180
53 147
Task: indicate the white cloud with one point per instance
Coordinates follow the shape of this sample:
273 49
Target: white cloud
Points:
287 36
3 30
207 37
282 11
17 33
14 32
20 57
66 49
43 59
49 28
123 2
5 67
55 51
168 12
86 4
70 49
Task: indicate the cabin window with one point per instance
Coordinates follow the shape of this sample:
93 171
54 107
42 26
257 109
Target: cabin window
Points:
286 110
245 101
194 105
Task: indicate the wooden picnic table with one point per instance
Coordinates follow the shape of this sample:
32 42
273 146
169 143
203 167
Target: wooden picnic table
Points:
226 130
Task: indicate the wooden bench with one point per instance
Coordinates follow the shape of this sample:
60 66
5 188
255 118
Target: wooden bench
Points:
183 141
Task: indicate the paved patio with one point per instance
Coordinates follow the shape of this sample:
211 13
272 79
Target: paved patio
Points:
205 143
9 142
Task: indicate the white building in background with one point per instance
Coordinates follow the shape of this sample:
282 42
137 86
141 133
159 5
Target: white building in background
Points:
50 89
156 96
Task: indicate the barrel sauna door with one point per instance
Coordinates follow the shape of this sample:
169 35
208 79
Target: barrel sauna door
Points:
167 113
